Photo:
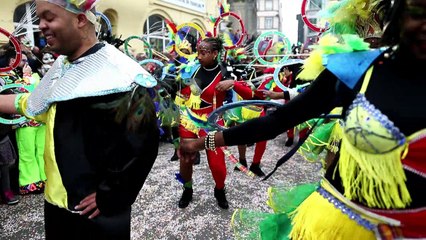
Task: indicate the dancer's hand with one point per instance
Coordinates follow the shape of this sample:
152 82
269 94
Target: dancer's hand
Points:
225 85
273 95
87 205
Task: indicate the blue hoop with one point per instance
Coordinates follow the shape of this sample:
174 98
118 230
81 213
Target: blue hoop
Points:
106 20
278 70
159 63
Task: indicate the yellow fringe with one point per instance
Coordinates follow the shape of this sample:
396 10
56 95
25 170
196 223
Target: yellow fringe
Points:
376 180
250 112
188 124
193 102
180 101
313 66
317 219
335 138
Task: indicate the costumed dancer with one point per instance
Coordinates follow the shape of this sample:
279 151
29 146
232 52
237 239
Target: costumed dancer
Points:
101 126
30 135
205 94
374 187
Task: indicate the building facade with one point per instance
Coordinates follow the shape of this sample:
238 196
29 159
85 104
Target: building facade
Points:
127 17
268 15
306 35
246 9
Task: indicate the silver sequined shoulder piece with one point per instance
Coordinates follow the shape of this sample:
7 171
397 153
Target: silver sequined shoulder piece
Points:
105 72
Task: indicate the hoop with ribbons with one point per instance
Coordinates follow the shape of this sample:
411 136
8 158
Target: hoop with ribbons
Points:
240 21
160 65
260 58
306 19
146 44
18 50
20 88
106 20
178 40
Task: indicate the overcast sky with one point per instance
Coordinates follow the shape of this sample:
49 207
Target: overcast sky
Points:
290 9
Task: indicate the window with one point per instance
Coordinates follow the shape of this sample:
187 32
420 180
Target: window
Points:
315 4
153 28
269 5
269 22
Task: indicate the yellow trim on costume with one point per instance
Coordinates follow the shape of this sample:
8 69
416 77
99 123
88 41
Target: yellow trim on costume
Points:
366 80
55 192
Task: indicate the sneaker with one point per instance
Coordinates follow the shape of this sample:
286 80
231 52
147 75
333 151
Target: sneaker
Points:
219 194
197 159
255 168
175 156
289 142
27 189
40 186
186 197
9 198
242 162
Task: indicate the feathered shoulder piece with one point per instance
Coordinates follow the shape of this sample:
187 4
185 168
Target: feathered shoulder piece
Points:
329 45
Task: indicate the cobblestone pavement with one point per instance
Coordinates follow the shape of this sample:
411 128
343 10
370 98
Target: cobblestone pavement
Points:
155 214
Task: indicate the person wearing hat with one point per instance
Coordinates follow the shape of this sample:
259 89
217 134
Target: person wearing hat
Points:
101 129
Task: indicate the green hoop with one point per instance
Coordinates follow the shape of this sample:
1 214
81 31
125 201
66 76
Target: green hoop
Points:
256 48
126 46
21 119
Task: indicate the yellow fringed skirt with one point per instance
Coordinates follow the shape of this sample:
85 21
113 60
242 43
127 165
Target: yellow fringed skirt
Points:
327 215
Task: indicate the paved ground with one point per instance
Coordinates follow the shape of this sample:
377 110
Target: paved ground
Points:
155 213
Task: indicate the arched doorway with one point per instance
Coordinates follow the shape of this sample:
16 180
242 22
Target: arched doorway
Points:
112 16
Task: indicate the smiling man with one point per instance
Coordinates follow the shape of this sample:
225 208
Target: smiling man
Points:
101 129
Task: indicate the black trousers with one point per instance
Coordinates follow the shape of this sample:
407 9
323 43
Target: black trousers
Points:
63 224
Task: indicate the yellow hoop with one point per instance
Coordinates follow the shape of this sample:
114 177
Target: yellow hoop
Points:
196 27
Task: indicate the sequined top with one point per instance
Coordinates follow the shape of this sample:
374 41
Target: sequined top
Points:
367 128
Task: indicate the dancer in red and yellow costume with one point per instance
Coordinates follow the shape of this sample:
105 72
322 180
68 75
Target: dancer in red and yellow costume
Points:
374 187
207 91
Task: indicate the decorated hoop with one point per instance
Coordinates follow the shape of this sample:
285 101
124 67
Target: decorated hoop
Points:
126 46
21 119
160 64
177 39
243 29
17 47
278 70
106 20
306 20
215 115
262 36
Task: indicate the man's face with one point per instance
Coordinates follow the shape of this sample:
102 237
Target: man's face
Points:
59 26
413 33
